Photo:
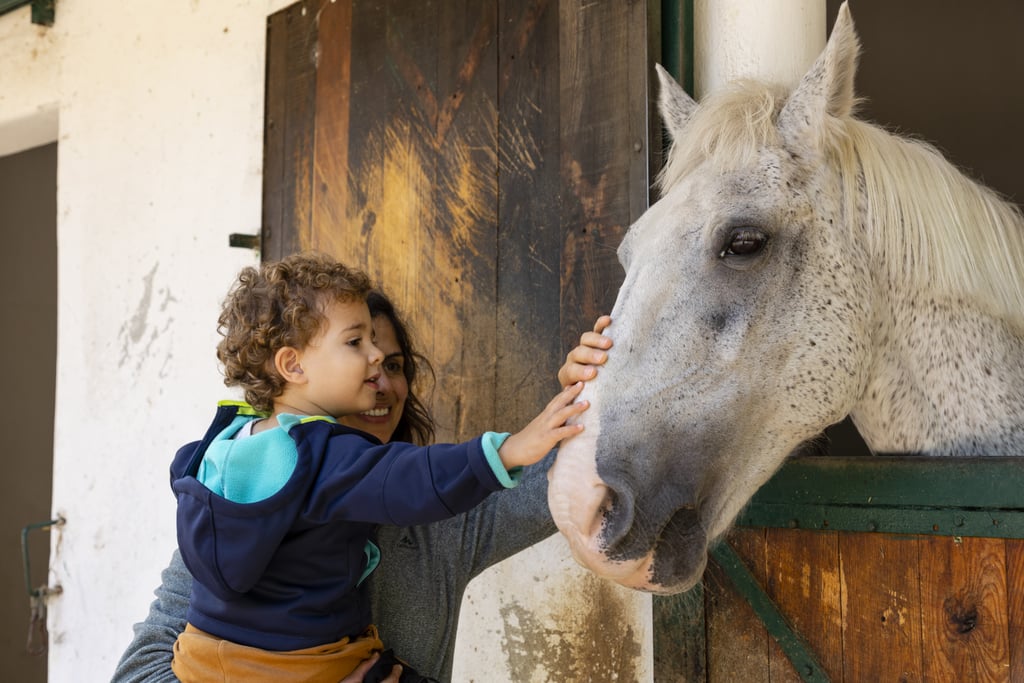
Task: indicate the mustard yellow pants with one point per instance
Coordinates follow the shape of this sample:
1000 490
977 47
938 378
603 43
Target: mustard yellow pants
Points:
201 658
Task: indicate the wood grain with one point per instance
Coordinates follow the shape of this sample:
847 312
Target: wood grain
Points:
737 641
963 593
880 584
803 580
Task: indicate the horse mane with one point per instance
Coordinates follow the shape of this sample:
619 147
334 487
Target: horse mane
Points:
931 226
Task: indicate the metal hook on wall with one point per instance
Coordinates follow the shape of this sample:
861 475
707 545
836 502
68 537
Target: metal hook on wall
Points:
38 638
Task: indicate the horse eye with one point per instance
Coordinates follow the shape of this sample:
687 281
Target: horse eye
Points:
744 242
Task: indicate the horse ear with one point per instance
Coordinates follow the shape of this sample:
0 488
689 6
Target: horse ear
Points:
827 89
675 104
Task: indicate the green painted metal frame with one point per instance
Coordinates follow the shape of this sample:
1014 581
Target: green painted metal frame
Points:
981 496
43 11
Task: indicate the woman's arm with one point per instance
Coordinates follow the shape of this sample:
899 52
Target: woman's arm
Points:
516 519
148 657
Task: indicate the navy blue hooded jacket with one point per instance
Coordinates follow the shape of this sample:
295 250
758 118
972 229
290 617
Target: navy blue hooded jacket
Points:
282 573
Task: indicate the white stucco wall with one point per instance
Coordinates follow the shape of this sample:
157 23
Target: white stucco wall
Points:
28 83
772 40
160 110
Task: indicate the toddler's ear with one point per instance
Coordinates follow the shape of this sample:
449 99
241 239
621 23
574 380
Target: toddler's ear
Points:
288 365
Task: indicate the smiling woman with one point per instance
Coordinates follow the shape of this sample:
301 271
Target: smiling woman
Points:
399 414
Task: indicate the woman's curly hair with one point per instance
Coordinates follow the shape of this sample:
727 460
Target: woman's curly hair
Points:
281 303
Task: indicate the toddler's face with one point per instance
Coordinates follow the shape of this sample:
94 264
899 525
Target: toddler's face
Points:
341 364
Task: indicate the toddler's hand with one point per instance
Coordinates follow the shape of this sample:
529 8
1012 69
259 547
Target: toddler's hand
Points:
544 431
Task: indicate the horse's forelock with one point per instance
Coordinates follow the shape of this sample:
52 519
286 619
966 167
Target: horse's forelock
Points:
728 129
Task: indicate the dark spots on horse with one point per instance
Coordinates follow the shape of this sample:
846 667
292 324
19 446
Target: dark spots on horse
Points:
718 321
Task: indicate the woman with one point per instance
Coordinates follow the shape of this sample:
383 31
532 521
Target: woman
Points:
417 588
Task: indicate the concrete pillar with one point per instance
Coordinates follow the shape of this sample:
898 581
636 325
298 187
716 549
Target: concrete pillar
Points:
770 40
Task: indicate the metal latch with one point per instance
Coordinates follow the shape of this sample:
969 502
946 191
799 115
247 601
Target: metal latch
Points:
38 638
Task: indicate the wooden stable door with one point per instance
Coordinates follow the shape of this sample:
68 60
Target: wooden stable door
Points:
482 161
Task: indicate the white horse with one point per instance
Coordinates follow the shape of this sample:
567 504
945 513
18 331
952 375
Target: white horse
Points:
800 266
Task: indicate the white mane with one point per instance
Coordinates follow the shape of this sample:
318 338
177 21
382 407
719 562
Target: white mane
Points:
933 227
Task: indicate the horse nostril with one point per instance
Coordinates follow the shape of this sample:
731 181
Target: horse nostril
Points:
618 511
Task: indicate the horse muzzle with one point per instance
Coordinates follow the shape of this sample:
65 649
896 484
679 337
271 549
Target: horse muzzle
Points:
607 534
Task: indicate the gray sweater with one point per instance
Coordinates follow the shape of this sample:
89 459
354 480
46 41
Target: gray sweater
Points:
416 590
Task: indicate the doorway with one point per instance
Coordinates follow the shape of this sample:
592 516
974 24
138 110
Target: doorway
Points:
28 298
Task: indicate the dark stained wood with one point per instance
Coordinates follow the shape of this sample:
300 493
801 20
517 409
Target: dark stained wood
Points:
597 154
330 199
803 579
737 641
529 237
465 139
963 592
275 109
289 126
881 607
680 645
874 606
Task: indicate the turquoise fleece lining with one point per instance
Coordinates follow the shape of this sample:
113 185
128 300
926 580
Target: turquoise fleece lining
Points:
255 468
372 560
491 442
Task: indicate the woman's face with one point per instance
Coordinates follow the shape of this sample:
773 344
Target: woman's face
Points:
392 390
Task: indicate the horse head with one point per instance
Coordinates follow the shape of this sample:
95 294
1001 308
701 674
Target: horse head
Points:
750 318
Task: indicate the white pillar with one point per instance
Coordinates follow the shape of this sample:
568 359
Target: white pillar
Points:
770 40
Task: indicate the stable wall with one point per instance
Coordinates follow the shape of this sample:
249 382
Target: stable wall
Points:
160 111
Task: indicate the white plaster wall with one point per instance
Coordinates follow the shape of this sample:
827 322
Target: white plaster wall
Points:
28 83
772 40
160 108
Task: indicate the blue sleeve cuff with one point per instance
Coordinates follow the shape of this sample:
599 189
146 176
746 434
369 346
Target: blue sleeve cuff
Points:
491 442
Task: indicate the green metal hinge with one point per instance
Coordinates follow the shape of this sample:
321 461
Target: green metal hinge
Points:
43 11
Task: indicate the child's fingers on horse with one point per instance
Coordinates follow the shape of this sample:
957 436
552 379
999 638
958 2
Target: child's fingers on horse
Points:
567 431
565 396
602 323
559 419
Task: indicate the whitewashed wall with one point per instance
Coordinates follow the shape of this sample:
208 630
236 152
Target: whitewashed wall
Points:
157 106
772 40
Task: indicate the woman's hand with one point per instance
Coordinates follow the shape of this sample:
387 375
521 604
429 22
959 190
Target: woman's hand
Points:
581 363
357 674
